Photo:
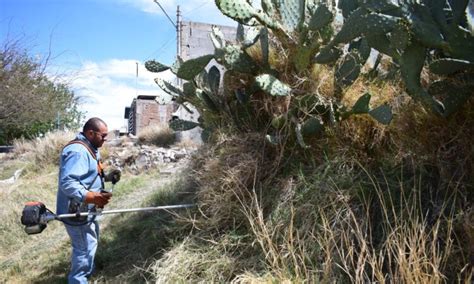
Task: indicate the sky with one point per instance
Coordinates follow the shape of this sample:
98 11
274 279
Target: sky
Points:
95 46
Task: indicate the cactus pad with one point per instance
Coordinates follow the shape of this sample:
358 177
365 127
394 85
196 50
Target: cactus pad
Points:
155 66
189 69
272 85
182 125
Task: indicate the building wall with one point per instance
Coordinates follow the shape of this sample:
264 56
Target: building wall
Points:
195 42
147 112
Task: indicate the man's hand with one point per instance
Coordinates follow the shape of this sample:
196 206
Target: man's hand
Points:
98 198
113 176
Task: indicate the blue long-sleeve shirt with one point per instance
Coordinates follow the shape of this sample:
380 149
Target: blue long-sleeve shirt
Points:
77 170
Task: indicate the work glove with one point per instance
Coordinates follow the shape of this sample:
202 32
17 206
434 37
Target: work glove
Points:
98 198
113 176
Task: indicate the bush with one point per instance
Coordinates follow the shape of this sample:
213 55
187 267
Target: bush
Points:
159 135
45 151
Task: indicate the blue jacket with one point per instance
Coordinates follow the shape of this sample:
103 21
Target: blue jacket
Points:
77 170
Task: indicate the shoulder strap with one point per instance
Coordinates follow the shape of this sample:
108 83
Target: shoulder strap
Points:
77 141
100 167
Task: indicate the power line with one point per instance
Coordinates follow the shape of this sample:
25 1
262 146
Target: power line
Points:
158 50
174 25
196 8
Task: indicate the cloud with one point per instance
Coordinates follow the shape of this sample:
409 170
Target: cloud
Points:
106 88
191 10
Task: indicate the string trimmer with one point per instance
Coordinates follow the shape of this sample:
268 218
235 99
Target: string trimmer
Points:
35 215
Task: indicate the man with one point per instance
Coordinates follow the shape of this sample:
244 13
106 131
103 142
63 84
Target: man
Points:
81 188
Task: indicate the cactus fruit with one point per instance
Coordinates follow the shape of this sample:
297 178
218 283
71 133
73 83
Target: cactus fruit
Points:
155 66
272 85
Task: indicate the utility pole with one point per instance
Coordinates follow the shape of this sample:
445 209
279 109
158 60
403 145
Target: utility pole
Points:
178 32
178 40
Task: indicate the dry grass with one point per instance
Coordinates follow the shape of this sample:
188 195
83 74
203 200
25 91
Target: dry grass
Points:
228 171
337 242
159 135
187 143
45 151
191 262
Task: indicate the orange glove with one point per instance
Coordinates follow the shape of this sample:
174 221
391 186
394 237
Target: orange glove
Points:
98 198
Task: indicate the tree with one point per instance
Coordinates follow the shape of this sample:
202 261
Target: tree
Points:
31 104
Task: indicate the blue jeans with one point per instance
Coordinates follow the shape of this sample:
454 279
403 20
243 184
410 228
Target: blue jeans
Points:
84 245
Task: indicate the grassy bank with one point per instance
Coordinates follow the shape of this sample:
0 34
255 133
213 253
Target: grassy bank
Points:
362 204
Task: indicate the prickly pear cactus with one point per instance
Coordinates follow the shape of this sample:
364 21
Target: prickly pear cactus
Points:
272 85
155 66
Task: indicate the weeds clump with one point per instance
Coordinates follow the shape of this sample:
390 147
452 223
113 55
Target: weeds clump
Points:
159 135
226 174
195 263
42 153
365 203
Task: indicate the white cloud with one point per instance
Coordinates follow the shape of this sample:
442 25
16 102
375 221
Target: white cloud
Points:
107 87
191 10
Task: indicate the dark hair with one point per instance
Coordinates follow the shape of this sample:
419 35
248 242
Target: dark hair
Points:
93 124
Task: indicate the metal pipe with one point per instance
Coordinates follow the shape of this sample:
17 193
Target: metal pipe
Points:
116 211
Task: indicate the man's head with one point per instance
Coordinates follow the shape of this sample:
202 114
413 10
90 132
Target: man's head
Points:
95 131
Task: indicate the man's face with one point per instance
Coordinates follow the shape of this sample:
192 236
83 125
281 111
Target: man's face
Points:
98 137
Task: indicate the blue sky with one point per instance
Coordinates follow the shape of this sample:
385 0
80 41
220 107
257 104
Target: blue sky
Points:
95 45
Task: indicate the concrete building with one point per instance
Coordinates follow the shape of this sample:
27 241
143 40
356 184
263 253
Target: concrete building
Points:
193 41
145 111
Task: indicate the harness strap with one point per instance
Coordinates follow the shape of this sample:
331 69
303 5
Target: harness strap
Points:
100 167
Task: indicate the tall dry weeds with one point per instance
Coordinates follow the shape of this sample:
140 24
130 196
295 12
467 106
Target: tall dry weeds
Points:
338 242
227 172
157 134
43 152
